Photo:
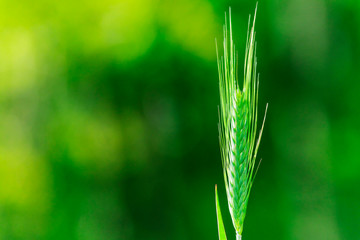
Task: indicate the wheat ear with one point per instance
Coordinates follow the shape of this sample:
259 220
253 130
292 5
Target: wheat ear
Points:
238 122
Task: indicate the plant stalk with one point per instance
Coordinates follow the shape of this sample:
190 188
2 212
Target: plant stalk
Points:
238 236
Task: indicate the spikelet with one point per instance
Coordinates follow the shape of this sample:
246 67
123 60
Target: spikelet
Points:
238 123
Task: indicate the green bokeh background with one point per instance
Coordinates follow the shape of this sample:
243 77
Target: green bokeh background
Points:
108 119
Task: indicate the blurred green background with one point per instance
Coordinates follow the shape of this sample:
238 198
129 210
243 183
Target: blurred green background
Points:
108 119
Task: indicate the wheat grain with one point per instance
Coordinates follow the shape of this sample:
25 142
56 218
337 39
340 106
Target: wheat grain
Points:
238 123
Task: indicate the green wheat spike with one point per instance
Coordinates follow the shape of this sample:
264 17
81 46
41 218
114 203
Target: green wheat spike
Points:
238 123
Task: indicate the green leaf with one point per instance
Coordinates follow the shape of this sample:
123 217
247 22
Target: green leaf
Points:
221 229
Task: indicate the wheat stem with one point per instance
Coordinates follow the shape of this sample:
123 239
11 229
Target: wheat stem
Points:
238 236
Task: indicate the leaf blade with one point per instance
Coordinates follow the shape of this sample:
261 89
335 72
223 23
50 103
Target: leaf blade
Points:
221 229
